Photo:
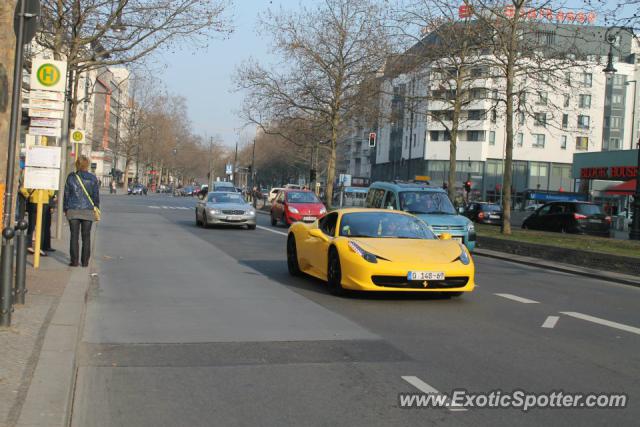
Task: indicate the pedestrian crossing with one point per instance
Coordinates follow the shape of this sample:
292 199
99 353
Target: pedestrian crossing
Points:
183 208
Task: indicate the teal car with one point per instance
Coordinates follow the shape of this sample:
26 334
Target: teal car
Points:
430 204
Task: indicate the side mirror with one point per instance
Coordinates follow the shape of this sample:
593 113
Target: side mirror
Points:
318 234
445 236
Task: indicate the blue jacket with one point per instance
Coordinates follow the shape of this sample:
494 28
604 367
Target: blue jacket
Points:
74 197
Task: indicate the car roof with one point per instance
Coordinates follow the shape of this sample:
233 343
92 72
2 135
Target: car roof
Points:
296 190
365 210
404 186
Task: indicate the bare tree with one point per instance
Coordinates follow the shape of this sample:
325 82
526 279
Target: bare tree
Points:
89 34
328 51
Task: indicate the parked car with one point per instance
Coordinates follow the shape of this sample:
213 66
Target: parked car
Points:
484 213
225 208
296 205
137 190
430 204
570 217
273 193
187 191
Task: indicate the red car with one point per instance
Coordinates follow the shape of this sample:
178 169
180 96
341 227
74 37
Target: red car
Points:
292 205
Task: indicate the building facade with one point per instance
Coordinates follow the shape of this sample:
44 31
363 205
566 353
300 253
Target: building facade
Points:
573 109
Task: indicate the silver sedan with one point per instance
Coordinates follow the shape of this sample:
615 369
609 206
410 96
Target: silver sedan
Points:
221 208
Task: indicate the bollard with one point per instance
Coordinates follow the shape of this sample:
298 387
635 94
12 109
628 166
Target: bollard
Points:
6 288
21 261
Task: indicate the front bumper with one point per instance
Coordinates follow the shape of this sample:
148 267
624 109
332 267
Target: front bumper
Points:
308 218
386 276
222 219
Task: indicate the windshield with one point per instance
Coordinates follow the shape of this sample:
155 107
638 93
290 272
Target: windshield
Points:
225 198
585 209
384 224
491 207
426 202
301 197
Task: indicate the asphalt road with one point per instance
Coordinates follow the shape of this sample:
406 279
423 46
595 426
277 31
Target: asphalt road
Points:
194 327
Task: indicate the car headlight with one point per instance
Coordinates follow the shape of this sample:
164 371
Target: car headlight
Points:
293 210
251 212
471 227
215 211
323 211
364 254
464 255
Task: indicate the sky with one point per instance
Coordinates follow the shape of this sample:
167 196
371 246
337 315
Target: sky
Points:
205 76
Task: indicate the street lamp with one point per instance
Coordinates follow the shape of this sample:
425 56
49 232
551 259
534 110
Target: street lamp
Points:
634 232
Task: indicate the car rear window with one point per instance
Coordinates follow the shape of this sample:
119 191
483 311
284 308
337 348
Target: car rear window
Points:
589 209
491 207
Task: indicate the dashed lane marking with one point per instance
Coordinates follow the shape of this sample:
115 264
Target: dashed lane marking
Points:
271 230
517 298
550 322
171 207
603 322
427 389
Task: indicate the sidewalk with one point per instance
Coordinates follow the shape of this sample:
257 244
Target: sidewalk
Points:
34 351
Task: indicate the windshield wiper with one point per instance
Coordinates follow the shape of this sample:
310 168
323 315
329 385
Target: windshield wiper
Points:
417 212
440 213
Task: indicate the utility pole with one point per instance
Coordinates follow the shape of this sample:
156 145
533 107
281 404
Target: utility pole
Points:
253 173
210 183
235 165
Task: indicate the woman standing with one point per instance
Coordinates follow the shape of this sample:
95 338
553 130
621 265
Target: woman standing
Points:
81 206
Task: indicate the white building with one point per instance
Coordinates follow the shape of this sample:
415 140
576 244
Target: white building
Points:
579 109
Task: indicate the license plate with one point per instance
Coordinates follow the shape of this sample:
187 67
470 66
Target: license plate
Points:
494 217
232 218
595 221
309 218
425 275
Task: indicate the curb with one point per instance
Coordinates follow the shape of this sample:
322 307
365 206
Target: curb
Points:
48 400
619 278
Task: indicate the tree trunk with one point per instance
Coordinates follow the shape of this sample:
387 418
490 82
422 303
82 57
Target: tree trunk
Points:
127 163
506 172
453 143
331 165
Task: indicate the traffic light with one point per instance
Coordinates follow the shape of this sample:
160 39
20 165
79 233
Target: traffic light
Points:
372 139
467 186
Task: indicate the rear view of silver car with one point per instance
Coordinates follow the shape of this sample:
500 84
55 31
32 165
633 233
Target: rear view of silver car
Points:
222 208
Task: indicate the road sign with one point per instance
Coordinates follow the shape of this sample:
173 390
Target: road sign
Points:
45 94
43 157
77 136
46 104
55 132
228 169
48 75
50 114
345 179
32 11
45 123
41 178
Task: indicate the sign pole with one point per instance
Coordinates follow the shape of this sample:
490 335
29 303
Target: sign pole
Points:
38 230
63 160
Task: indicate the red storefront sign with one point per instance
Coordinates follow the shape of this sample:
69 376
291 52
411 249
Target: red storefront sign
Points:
535 14
612 172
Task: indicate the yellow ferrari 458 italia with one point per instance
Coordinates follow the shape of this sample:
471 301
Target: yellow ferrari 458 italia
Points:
379 250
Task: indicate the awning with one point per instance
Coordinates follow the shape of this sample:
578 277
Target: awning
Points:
626 188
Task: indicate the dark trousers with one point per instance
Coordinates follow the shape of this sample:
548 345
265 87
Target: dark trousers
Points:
78 227
45 236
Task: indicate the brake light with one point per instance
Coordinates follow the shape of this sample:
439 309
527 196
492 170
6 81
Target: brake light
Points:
579 216
481 215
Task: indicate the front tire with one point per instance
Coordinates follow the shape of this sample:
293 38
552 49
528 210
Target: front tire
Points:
334 273
292 257
205 221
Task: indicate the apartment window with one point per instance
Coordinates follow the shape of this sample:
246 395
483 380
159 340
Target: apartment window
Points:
492 138
619 79
563 142
567 79
547 38
521 118
616 99
494 94
587 79
540 119
519 139
585 101
542 98
614 143
566 101
475 135
494 116
476 114
478 72
538 140
583 121
615 122
582 143
565 121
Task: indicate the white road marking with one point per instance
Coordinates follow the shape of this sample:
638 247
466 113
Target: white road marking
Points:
603 322
154 207
426 388
551 321
271 230
517 298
